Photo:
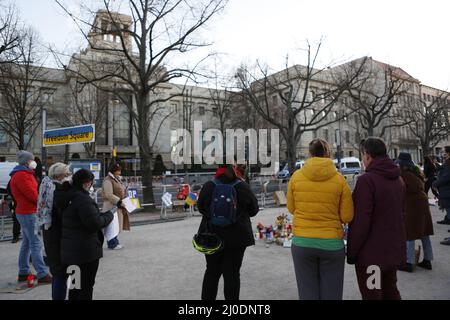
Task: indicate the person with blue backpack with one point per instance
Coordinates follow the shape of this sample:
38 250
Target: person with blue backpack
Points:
226 203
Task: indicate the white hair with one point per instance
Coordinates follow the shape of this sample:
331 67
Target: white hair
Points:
58 169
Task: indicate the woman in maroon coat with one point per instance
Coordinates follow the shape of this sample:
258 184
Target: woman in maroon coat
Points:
419 224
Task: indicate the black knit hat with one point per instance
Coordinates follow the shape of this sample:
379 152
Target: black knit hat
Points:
405 160
114 167
81 177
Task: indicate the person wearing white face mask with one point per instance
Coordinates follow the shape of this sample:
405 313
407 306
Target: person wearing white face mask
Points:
82 237
25 192
51 189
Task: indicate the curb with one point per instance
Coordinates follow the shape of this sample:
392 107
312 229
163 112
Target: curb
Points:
154 221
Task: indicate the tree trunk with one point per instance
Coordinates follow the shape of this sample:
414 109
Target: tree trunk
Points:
291 150
66 153
370 131
147 175
425 150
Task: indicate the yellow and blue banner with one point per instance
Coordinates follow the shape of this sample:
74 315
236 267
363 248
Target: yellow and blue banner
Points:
191 199
72 135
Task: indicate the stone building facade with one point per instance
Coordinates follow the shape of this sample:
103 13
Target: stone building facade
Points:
115 126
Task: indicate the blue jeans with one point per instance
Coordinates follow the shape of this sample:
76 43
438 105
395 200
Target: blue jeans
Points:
59 287
114 242
427 250
31 244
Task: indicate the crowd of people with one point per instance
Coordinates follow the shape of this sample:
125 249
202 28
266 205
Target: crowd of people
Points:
386 213
62 207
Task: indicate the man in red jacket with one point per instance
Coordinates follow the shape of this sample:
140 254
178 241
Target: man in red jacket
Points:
25 192
377 235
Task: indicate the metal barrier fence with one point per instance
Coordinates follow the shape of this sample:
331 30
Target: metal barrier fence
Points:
263 187
5 220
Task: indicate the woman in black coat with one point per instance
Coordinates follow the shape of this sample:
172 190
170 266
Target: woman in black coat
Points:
236 237
52 224
82 236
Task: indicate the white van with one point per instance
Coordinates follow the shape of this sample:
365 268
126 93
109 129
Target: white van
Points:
299 164
350 165
5 170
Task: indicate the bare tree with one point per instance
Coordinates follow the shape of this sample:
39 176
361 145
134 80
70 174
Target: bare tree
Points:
188 111
222 95
87 105
9 32
431 121
376 100
21 91
138 59
289 100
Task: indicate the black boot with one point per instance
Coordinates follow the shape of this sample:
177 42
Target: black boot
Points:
407 268
426 264
445 221
15 240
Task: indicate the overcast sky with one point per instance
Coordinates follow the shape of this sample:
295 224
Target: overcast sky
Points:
410 34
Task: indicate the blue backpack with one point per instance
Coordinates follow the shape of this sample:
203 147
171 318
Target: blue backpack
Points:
223 204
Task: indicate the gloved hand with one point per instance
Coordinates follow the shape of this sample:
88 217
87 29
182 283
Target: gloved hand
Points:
119 204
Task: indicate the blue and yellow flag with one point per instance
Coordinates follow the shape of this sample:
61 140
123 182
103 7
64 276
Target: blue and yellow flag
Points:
191 199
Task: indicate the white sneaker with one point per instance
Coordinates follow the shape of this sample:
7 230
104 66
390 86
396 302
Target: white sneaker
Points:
118 247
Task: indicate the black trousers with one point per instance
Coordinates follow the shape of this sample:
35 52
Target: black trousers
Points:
88 273
16 227
428 186
228 263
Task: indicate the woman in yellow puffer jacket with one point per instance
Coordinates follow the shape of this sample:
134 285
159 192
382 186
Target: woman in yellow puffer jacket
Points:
321 202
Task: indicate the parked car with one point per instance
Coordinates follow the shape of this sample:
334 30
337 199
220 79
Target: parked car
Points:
284 169
350 165
284 172
5 170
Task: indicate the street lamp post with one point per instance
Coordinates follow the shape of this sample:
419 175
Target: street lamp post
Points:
115 101
338 138
43 149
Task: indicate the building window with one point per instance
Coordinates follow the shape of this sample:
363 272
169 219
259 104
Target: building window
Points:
357 137
105 25
47 97
350 153
215 110
121 125
26 140
347 136
3 138
201 110
274 101
325 134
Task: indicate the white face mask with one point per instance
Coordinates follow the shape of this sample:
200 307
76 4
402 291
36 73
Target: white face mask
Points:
87 187
32 165
68 179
